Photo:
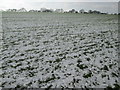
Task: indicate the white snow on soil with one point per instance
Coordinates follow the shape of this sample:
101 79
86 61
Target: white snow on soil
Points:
59 50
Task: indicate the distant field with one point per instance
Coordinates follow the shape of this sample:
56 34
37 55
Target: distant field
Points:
54 50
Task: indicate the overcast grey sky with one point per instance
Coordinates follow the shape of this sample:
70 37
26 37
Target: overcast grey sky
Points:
110 6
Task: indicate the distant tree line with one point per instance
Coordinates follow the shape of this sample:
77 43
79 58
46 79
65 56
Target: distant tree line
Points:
58 11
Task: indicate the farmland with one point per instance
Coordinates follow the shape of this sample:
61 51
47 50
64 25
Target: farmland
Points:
59 50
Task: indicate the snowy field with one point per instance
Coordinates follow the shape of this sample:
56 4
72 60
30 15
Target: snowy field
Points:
51 50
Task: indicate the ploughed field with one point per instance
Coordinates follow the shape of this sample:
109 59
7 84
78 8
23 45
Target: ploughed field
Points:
51 50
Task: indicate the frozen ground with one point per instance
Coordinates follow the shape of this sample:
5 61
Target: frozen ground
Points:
59 50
